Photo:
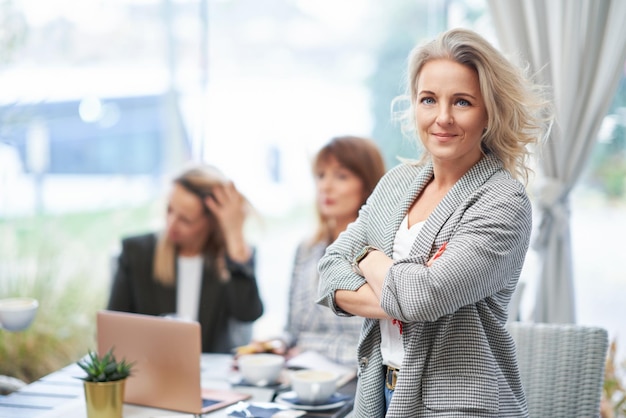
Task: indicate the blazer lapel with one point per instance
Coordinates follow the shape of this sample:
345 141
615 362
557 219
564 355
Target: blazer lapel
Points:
473 179
415 188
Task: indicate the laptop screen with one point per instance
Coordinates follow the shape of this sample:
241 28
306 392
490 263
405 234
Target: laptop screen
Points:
166 353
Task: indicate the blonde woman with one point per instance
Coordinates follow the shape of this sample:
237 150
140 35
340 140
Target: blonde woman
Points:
437 250
200 267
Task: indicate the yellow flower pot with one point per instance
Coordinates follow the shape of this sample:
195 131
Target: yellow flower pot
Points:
105 399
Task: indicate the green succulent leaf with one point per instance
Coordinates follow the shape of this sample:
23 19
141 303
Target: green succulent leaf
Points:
105 368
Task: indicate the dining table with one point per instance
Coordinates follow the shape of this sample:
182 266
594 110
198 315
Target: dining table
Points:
61 395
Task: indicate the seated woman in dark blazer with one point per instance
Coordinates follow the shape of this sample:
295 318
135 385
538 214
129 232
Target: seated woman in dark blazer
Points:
200 267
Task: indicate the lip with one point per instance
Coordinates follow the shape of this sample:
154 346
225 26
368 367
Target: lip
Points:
443 136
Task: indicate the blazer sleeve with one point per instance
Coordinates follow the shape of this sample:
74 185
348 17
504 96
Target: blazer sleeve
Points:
245 302
134 288
121 296
485 252
335 267
300 271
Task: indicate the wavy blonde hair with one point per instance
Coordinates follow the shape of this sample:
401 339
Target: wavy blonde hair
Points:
199 180
518 113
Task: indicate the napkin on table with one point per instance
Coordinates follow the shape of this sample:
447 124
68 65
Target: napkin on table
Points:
265 412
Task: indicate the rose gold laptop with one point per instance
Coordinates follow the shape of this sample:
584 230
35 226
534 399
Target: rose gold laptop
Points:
166 353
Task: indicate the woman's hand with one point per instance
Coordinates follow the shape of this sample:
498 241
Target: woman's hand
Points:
375 267
229 208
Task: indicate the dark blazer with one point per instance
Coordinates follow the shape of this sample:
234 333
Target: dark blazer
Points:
459 358
135 290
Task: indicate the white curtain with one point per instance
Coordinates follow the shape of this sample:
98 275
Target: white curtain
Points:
578 47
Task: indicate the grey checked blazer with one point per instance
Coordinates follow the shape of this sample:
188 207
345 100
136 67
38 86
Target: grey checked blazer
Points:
459 358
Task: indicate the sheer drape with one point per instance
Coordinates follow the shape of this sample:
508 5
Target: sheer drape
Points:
578 47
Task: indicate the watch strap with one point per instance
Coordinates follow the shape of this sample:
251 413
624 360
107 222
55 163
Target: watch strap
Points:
360 256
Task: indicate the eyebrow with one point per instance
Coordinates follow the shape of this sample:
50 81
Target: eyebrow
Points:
454 95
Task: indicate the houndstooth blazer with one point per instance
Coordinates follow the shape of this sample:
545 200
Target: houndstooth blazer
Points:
459 359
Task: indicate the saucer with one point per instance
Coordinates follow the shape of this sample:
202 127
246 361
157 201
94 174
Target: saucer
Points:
291 400
273 385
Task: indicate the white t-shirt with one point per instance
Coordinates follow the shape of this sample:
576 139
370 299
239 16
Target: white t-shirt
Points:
188 284
391 339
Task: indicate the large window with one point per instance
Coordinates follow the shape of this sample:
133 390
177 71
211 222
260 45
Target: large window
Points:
102 101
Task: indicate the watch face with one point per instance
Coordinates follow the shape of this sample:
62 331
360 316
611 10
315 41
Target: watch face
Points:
365 251
359 257
362 254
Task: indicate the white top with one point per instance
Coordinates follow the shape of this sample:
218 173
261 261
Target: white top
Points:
391 339
188 283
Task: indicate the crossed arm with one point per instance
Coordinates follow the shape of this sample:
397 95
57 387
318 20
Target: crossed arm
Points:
365 301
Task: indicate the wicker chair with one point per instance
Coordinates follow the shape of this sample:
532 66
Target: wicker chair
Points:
562 368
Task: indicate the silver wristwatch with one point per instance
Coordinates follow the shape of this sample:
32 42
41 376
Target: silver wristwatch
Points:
360 256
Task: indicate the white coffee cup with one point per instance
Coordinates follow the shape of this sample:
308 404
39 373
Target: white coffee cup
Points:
16 314
260 369
314 387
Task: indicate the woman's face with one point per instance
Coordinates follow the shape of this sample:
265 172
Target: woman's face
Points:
187 222
450 112
339 191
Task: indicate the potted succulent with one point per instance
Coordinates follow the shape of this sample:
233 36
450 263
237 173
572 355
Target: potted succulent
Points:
104 384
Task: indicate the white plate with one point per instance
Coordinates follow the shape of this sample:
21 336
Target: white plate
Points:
286 397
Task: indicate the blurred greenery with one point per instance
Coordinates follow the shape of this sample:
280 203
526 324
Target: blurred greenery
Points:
388 79
406 24
607 165
65 262
614 388
13 30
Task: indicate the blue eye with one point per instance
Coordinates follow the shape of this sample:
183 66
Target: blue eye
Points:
463 103
427 100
